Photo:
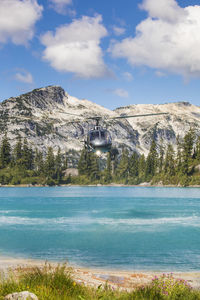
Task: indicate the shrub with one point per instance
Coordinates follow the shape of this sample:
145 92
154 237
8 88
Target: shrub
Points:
16 180
167 285
50 181
30 180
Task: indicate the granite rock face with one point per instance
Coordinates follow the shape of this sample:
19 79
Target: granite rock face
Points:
43 117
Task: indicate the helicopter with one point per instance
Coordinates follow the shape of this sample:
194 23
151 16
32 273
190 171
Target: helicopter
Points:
98 139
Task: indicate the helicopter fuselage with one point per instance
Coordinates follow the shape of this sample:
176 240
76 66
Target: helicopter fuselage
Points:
99 139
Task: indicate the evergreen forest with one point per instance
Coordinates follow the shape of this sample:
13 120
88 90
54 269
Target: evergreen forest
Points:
163 165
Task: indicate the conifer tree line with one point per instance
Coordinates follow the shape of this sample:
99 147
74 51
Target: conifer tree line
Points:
164 166
25 165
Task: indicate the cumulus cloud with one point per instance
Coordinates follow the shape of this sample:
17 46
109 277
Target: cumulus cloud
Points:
24 76
119 92
160 74
61 6
128 76
118 30
167 10
167 40
76 47
17 20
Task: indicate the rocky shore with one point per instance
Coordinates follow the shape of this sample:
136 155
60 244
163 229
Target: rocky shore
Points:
121 279
144 184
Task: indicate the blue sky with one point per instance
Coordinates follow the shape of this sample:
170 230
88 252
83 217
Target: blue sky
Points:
114 53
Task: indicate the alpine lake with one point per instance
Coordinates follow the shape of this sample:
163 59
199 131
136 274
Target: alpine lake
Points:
140 228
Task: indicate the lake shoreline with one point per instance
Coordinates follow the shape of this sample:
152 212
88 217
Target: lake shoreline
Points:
102 185
123 279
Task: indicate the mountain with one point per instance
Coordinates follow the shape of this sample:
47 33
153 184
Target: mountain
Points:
164 129
41 116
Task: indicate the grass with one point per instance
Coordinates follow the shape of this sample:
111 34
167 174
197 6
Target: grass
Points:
57 284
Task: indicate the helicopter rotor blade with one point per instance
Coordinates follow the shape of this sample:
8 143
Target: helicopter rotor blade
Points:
70 114
98 118
135 116
82 117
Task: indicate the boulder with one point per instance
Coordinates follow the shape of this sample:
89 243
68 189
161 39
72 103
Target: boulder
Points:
21 296
197 168
71 171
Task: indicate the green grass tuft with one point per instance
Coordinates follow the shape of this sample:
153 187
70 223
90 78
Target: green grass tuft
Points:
50 283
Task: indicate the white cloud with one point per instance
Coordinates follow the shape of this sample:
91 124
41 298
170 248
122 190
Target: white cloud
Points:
24 76
120 93
62 2
168 39
17 20
128 76
61 6
160 74
118 30
167 10
75 47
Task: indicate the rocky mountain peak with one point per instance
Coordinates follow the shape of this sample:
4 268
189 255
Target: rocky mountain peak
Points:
184 103
43 98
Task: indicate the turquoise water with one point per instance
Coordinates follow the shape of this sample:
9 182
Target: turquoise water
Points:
105 227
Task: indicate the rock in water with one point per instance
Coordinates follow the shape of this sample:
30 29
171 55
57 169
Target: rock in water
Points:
21 296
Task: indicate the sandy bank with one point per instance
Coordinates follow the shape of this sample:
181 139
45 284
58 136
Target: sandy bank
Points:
94 277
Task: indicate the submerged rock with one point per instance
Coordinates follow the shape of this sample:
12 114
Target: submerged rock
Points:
21 296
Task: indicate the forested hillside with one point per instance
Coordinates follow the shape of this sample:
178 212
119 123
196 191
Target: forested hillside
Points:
24 164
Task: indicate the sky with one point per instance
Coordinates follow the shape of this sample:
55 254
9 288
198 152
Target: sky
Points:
112 52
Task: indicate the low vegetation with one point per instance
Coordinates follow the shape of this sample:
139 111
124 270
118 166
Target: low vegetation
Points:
24 165
58 284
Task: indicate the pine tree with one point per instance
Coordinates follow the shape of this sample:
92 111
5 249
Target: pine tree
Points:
65 163
39 162
134 167
188 144
161 157
27 156
179 155
18 152
169 163
141 168
50 164
114 155
198 149
5 152
122 171
58 165
83 163
93 167
88 165
108 170
151 162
